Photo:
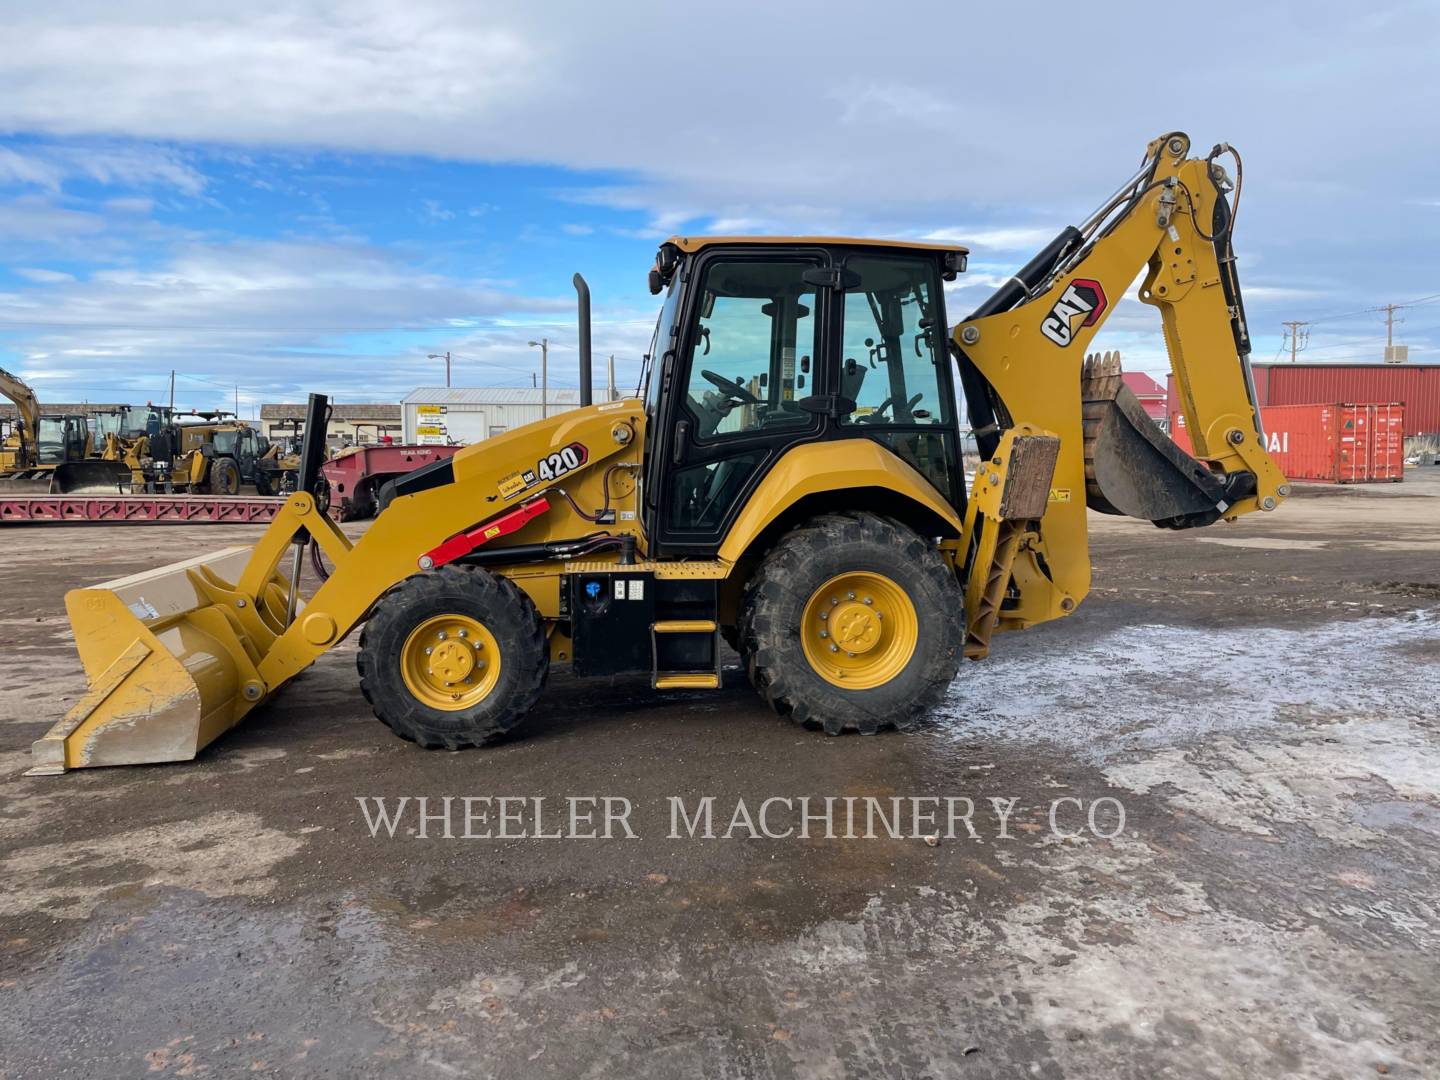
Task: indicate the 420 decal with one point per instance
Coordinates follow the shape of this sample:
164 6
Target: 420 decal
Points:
1081 304
551 467
567 459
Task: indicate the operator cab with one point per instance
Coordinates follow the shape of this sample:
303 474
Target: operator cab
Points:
765 343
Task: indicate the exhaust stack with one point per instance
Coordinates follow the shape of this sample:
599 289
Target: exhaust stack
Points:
582 291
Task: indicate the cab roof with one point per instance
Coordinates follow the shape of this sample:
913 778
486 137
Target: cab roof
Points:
691 244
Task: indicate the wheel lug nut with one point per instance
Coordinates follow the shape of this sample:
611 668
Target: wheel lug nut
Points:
428 650
851 655
850 596
834 648
833 601
441 635
824 633
462 633
868 600
824 615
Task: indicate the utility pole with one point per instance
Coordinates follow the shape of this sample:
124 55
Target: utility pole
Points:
1389 310
544 346
172 390
611 389
446 357
1293 331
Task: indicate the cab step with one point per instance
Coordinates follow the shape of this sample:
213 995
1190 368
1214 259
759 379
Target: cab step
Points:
686 626
687 680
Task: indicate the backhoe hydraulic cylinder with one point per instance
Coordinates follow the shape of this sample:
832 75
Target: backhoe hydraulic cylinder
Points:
1031 274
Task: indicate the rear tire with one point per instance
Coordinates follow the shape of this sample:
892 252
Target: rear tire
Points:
905 665
485 635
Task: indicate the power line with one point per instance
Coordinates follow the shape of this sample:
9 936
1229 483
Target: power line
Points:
1421 302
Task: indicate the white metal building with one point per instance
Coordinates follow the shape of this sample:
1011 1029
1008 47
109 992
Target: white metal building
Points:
440 415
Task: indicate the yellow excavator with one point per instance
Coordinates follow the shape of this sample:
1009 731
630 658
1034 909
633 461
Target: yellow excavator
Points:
789 478
51 453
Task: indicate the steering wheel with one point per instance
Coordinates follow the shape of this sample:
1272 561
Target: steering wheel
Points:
734 389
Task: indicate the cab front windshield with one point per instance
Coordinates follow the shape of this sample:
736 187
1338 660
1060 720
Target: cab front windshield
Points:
226 441
50 440
662 342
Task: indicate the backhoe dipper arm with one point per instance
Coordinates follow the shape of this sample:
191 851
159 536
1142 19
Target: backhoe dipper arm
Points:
1021 357
26 404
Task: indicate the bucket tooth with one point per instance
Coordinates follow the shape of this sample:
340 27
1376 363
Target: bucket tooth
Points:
170 668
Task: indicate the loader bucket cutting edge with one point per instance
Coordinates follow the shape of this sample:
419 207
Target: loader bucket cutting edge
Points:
166 665
91 477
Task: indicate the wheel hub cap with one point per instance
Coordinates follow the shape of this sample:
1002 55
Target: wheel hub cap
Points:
859 630
450 662
856 627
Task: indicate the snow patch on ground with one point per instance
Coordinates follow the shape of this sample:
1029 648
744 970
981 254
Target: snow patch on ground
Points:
1248 729
1152 687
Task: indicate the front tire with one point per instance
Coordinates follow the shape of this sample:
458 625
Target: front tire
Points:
453 658
224 477
852 623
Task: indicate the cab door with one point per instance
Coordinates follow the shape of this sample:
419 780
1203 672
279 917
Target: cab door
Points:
750 348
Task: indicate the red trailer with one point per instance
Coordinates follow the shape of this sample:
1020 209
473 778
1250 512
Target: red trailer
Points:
356 475
1337 444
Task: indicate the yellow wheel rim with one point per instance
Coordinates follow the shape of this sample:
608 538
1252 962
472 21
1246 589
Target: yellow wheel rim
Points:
450 662
859 630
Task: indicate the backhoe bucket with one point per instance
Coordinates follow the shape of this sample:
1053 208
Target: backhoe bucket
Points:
1131 466
170 656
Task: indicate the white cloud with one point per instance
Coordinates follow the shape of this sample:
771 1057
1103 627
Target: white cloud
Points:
49 165
266 314
586 86
43 276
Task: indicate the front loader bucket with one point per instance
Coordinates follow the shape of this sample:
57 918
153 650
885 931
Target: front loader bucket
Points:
170 663
91 477
1131 466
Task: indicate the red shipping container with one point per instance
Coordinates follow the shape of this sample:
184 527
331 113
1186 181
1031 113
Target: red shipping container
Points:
1338 444
1416 386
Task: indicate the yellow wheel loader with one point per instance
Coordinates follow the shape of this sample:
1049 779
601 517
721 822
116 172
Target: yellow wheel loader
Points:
789 478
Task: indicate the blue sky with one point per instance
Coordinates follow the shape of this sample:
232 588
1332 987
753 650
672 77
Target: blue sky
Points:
316 195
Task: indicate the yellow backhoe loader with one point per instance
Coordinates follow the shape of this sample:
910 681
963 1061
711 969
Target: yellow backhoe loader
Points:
788 478
51 453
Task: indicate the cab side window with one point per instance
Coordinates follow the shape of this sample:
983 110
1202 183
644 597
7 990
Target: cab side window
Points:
754 343
892 345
